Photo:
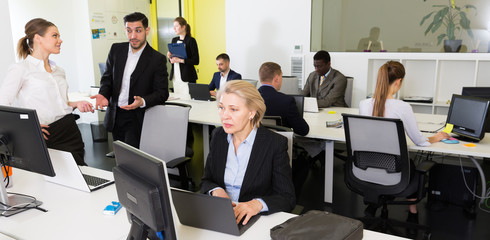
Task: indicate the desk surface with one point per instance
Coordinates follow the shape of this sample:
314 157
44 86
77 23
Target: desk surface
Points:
204 112
74 214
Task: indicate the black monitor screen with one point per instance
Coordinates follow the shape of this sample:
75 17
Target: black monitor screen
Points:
25 147
468 115
21 146
481 92
300 103
142 188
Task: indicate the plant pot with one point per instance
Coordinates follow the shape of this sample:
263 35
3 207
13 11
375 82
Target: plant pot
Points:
452 45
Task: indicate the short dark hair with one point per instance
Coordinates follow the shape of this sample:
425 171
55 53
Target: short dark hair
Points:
322 55
136 17
223 56
268 71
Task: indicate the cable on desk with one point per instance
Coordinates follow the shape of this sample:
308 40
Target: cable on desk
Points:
26 206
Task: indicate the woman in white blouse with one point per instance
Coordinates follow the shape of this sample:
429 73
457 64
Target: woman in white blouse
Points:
390 78
37 83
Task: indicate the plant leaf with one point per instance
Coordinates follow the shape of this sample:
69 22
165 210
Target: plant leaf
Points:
468 6
440 38
464 21
426 17
450 30
428 28
436 26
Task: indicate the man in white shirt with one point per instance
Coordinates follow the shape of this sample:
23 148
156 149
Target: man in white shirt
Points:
135 79
223 75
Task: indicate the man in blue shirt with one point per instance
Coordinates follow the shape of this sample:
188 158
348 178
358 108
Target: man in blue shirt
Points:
224 75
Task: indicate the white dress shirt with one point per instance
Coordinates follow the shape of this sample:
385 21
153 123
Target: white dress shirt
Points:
398 109
29 85
131 63
222 80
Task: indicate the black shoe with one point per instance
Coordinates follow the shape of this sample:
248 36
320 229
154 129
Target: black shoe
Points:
413 217
370 211
110 155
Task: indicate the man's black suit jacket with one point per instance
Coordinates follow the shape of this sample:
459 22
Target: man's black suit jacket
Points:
149 80
280 104
268 174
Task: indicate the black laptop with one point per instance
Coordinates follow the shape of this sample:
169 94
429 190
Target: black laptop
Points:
200 92
208 212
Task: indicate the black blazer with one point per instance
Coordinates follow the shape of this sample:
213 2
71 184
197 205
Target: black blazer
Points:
187 69
280 104
149 80
268 174
232 75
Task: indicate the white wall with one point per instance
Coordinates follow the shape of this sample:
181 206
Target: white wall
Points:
258 31
71 18
8 54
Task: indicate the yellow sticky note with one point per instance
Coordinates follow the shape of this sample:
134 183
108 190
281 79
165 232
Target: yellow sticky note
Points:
332 112
448 128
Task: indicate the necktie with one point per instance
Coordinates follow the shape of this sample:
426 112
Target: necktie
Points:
322 78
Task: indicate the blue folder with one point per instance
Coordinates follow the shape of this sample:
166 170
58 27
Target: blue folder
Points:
177 50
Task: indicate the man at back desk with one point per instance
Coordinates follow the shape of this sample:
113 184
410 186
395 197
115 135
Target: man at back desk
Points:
325 83
277 103
223 75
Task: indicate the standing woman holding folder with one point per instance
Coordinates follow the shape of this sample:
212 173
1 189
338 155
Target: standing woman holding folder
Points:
185 67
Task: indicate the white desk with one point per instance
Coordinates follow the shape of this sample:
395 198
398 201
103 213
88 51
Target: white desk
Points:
206 113
74 214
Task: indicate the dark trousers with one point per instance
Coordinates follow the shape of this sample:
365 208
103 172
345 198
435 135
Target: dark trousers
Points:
64 135
127 127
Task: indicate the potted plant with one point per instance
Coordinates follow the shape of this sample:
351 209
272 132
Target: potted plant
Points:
452 18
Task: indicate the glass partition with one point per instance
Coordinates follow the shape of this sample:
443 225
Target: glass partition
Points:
400 25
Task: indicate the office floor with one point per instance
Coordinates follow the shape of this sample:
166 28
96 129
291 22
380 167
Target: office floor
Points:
448 222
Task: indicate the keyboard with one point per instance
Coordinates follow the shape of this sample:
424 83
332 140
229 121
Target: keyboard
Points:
94 181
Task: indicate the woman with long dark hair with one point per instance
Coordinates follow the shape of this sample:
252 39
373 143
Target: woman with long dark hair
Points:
383 104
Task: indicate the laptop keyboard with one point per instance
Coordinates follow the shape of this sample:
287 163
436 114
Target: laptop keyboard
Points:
94 181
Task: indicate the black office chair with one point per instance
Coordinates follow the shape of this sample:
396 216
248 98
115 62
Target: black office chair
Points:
378 168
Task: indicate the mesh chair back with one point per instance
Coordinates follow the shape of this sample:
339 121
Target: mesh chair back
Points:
164 131
377 154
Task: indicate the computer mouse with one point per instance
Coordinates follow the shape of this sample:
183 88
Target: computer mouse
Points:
450 140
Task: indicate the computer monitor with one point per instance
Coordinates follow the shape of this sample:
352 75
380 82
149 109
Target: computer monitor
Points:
21 146
143 189
481 92
469 117
300 103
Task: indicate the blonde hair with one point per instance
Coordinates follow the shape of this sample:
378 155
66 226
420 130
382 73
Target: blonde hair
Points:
387 75
248 92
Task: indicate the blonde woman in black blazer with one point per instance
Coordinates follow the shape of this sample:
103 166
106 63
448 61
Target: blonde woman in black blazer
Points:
187 69
247 162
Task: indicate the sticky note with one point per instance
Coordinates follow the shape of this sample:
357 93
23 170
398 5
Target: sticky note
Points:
469 145
332 112
448 128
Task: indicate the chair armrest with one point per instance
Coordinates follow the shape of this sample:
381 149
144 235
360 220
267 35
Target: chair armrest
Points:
425 166
177 162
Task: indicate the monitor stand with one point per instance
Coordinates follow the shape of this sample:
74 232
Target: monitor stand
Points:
13 204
